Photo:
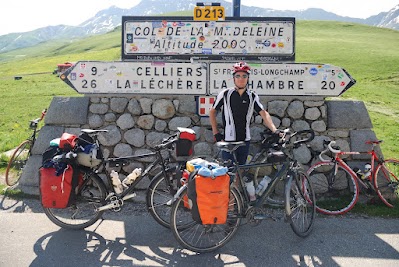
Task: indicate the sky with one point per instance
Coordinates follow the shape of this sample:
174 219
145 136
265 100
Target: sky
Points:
27 15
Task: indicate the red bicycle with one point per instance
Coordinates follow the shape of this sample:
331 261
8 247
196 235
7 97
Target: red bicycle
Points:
22 153
337 185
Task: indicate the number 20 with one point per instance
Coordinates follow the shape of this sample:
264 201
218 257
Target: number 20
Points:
331 85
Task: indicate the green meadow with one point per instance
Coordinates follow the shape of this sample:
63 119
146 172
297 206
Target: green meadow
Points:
369 54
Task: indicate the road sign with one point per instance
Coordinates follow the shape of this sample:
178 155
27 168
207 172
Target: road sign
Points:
288 79
209 13
171 38
95 77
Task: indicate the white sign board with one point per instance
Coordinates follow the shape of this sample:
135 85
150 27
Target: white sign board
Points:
168 36
95 77
285 79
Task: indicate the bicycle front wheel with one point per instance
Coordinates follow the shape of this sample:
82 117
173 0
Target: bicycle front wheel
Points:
83 212
386 181
300 204
336 190
17 163
159 197
204 238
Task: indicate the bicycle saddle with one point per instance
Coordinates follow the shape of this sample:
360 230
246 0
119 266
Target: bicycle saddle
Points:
90 131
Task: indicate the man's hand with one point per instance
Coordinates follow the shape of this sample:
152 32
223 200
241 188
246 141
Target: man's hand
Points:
218 137
278 132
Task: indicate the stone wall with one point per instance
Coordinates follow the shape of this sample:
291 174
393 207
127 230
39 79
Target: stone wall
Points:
136 124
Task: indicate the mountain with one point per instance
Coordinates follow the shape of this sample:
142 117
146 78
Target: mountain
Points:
390 19
107 19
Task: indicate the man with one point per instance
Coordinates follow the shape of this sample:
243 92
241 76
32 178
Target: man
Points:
238 105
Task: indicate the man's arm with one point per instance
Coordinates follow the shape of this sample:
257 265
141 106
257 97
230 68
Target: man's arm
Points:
267 120
212 118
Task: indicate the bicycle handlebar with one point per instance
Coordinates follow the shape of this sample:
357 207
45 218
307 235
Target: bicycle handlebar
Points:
330 147
44 111
33 123
167 142
308 139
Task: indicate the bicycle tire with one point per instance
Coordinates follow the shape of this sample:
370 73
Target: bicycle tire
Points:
90 196
204 238
300 204
386 182
159 197
17 163
335 193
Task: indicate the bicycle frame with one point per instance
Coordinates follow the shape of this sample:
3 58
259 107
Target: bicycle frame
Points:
279 176
374 162
121 160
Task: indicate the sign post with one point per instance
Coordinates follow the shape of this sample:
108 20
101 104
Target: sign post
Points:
194 56
184 78
301 79
96 77
180 38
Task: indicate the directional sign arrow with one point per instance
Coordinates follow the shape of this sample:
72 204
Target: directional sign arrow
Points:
289 79
96 77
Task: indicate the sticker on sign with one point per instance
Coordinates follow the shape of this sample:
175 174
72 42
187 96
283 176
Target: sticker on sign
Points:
289 79
95 77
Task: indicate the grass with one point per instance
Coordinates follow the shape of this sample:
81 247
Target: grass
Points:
375 210
15 193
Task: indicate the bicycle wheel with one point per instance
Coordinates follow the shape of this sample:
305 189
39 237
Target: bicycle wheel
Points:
336 190
83 212
300 204
17 163
159 197
386 181
204 238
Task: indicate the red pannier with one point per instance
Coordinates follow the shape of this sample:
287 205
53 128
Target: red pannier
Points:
184 146
57 191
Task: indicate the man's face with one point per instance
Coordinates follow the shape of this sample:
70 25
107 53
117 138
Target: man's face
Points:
241 79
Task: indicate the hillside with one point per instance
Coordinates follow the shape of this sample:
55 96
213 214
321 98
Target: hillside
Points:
368 53
107 19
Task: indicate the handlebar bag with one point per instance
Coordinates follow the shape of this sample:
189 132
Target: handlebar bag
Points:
57 191
184 145
210 198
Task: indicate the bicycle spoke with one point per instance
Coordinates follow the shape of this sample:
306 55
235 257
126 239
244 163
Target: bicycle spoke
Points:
203 238
335 188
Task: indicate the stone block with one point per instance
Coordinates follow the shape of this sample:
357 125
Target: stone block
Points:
358 140
46 134
30 175
68 111
348 114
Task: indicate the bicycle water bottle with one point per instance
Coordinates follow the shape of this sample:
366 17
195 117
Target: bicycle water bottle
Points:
263 185
131 177
116 182
250 189
367 171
